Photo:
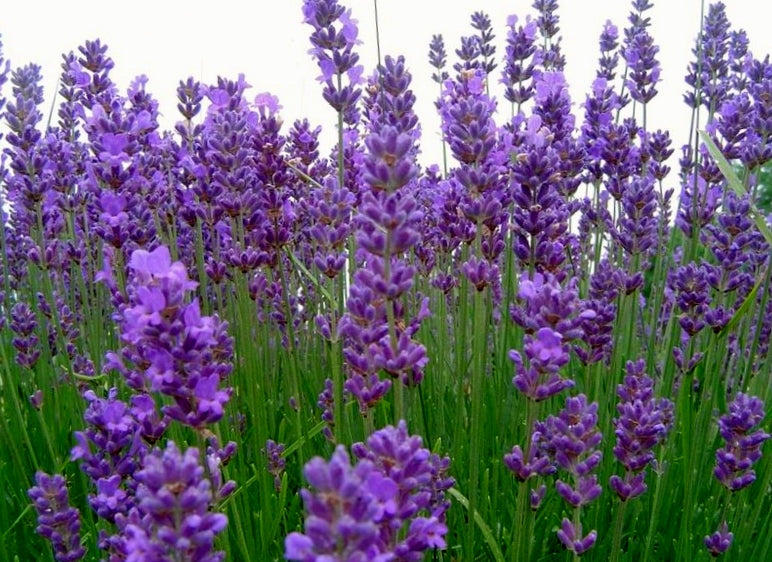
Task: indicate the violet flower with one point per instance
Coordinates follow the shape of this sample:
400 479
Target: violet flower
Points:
571 537
605 284
720 541
541 214
637 226
571 440
642 424
698 204
26 342
710 71
110 450
326 401
468 55
57 520
174 349
438 58
173 516
690 285
377 335
643 68
482 23
388 506
609 40
467 118
518 70
333 39
551 318
420 475
276 462
743 448
342 516
550 54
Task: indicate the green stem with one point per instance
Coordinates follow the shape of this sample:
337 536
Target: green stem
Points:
619 521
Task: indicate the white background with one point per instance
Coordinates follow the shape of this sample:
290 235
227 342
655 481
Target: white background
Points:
169 40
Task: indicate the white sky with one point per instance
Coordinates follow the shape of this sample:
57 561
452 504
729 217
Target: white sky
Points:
169 40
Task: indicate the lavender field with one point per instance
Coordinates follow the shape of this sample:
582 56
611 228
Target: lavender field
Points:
223 341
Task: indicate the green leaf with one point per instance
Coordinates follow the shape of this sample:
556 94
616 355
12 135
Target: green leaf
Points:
736 185
481 524
304 270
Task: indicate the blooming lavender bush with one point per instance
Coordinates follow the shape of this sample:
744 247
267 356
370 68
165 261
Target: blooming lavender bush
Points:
214 338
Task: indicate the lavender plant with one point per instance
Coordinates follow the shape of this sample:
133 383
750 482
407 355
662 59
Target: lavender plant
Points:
576 334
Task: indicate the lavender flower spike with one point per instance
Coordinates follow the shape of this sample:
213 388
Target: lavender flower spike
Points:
572 539
342 516
173 501
57 521
643 423
742 449
720 541
389 506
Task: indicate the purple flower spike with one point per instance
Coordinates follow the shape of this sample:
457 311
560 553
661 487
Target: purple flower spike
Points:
518 61
389 506
342 516
572 539
642 424
572 440
57 521
334 38
743 448
169 346
276 462
27 344
174 504
643 67
438 58
720 541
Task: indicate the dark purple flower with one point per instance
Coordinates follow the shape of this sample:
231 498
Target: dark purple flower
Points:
110 450
743 448
572 539
482 23
344 511
708 73
377 334
467 118
572 439
170 347
637 227
57 520
609 40
550 54
720 541
692 293
698 204
26 342
642 424
326 401
537 463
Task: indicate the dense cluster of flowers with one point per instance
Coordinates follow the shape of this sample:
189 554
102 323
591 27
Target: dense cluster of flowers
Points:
389 505
173 348
167 294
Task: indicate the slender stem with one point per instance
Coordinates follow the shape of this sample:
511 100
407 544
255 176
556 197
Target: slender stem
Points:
619 522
